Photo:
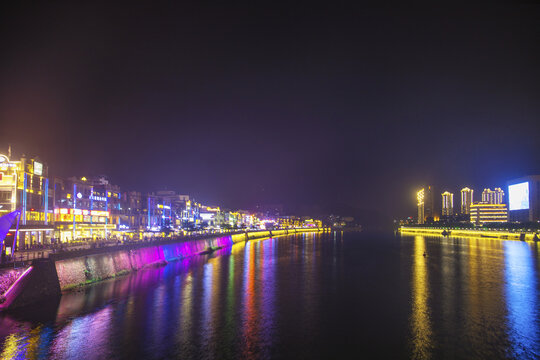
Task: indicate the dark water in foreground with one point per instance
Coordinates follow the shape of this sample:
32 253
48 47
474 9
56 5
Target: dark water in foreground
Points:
305 296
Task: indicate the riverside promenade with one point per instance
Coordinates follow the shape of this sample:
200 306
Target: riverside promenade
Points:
520 234
26 256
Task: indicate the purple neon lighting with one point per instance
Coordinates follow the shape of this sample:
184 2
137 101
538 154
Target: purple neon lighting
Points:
14 290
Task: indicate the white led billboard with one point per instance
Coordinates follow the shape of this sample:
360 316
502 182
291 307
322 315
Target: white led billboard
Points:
38 168
518 196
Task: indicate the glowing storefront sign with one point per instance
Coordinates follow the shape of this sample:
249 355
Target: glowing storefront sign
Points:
97 198
5 163
64 211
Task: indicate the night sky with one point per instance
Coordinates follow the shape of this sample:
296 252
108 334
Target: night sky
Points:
318 108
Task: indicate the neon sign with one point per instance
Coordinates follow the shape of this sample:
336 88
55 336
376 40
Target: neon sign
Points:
97 198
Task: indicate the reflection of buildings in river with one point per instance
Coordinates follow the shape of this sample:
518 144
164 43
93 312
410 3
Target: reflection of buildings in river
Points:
249 322
522 299
258 303
420 318
27 345
211 295
157 316
471 281
310 303
76 339
450 305
483 311
268 266
207 315
186 312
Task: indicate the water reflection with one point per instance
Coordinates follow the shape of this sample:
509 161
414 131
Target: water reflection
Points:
474 298
522 299
80 335
250 316
302 297
421 321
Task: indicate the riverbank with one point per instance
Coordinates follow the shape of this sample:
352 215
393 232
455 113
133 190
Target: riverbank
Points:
483 233
74 269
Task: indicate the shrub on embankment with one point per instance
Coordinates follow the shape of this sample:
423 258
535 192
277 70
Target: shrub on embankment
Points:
8 277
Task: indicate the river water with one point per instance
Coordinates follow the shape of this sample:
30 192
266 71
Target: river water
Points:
302 297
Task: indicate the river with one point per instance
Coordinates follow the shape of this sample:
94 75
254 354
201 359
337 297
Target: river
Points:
304 296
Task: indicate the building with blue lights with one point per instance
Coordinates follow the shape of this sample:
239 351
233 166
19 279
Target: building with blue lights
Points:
524 199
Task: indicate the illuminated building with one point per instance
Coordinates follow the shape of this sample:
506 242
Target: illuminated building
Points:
420 204
482 213
24 186
495 196
428 205
447 203
312 223
524 199
133 217
86 208
209 216
286 222
159 213
466 200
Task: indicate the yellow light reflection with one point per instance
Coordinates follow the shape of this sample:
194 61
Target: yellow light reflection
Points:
420 319
22 346
11 345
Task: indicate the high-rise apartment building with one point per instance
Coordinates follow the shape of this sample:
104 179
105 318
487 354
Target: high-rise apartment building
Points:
420 204
429 203
466 200
447 203
426 205
495 196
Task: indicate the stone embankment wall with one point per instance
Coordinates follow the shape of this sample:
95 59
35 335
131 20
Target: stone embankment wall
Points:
50 276
81 270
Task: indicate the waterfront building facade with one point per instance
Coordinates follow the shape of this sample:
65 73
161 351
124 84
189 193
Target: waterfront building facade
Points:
482 213
495 196
467 199
159 213
524 199
447 203
85 209
25 187
132 218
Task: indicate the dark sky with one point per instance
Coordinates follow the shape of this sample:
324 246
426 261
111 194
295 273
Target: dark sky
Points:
250 104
